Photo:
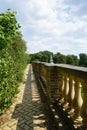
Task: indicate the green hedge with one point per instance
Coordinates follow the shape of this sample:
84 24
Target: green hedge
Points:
13 59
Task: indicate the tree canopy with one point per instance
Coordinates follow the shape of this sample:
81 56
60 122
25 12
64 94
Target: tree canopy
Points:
59 58
72 59
83 59
42 56
8 28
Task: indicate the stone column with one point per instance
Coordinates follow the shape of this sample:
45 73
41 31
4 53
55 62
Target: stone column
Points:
66 91
61 89
79 101
71 96
84 106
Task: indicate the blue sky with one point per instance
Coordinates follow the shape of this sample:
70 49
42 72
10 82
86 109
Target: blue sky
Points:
53 25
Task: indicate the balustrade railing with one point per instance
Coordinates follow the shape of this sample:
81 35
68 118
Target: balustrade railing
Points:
67 85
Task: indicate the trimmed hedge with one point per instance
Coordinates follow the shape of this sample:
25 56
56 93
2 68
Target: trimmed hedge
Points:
13 58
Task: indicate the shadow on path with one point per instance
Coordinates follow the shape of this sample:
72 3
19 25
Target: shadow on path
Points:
33 112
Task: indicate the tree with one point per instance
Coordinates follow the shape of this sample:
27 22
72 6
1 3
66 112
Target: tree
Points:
42 56
83 59
46 55
71 59
59 58
36 57
8 28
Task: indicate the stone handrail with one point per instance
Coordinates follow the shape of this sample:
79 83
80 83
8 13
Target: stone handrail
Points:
67 85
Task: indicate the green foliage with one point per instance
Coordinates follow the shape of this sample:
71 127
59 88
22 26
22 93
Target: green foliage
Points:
29 56
8 28
68 59
17 50
83 59
59 58
8 80
46 56
12 58
72 59
42 56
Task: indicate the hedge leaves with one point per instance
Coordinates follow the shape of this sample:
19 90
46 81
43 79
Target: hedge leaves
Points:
12 58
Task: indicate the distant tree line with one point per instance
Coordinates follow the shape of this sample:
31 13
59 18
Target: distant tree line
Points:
44 56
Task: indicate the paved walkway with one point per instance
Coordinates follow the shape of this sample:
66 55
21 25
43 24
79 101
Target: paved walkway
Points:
29 110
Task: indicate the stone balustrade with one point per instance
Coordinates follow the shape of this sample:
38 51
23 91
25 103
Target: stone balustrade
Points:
66 85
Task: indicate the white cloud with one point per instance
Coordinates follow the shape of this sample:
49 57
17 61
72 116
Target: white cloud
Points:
54 25
35 46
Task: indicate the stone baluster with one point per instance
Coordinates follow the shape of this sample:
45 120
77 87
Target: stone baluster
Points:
79 101
71 96
61 101
66 91
84 106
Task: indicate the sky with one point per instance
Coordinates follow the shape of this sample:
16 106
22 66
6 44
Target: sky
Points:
53 25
